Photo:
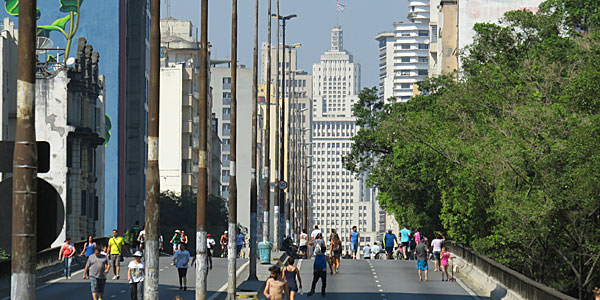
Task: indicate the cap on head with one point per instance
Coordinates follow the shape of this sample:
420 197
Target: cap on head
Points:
177 231
225 231
208 235
138 254
390 230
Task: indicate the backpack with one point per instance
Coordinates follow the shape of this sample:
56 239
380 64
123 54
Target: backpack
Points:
337 247
320 263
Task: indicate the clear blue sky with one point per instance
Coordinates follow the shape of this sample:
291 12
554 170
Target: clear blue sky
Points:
361 21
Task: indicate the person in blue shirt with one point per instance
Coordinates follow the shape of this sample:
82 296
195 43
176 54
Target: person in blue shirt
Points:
354 242
389 240
320 271
404 240
239 243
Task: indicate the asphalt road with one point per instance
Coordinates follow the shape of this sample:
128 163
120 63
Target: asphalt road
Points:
381 280
77 288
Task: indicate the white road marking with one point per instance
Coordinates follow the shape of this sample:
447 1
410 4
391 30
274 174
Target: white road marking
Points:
123 291
380 290
377 281
382 295
224 287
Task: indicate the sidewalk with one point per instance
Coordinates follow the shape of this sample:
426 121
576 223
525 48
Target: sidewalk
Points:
249 288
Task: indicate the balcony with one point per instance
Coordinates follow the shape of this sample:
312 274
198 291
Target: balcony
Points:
187 126
186 153
188 100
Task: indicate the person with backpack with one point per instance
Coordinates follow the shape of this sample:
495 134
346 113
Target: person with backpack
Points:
335 250
115 249
67 251
135 233
319 271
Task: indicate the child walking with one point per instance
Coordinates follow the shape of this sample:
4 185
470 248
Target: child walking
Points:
445 256
276 286
320 271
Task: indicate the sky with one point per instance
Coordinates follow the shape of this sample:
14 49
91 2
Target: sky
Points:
361 20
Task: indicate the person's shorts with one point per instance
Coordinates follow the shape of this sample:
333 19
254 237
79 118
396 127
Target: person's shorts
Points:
404 244
115 259
97 284
436 255
182 272
354 247
422 265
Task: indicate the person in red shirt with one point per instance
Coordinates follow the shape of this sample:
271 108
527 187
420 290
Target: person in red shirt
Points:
66 253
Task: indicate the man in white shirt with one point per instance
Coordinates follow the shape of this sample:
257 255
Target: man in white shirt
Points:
367 251
210 244
303 243
375 250
313 236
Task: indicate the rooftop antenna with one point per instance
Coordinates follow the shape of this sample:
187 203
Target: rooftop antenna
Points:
168 5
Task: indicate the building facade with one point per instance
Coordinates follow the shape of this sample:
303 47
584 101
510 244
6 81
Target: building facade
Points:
340 201
386 64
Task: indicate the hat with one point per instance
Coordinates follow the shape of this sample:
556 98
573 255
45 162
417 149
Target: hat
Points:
177 231
208 234
138 254
389 230
225 231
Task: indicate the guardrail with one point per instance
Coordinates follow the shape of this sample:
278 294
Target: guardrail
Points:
47 263
511 279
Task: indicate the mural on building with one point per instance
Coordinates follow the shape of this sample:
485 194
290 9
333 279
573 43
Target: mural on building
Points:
66 25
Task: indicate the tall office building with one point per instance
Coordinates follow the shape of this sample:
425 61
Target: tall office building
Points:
411 57
340 201
386 64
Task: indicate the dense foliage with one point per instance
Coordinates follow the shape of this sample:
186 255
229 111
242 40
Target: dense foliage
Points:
505 159
179 212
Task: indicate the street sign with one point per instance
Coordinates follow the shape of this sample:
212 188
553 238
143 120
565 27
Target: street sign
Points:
283 185
7 149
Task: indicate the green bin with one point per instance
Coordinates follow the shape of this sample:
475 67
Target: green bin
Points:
264 252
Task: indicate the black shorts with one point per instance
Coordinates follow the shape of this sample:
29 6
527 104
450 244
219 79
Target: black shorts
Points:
436 255
182 272
404 244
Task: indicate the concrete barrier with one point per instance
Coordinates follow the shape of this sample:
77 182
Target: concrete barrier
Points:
497 281
48 266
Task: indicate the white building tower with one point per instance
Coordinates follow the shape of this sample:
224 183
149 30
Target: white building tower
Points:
340 201
411 57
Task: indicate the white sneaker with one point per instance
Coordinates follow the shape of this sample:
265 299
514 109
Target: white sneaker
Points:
114 277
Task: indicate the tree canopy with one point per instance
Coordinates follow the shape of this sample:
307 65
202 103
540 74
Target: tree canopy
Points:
505 159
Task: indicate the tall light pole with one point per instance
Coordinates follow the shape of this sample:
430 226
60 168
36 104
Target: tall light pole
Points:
152 175
231 245
202 195
24 196
282 131
267 151
253 184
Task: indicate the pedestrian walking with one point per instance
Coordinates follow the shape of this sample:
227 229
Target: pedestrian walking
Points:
436 245
375 250
290 273
319 243
135 233
88 247
319 271
66 253
141 238
115 249
412 245
313 237
388 242
422 253
96 268
445 257
417 236
239 243
335 251
354 242
303 243
405 240
223 241
210 244
176 240
182 258
135 276
367 251
276 286
184 238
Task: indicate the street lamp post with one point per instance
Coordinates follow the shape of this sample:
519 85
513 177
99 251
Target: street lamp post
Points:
281 203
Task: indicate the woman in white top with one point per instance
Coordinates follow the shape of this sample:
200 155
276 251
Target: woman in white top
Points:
303 243
135 276
437 244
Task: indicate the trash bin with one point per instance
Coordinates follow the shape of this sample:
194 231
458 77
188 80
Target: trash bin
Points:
264 252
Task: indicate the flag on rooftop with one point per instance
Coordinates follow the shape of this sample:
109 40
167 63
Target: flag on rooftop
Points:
340 7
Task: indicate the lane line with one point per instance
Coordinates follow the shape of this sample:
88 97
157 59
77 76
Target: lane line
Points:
224 287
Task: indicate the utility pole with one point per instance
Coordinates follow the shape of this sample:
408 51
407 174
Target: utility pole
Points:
267 160
231 245
152 177
276 222
253 184
202 195
24 197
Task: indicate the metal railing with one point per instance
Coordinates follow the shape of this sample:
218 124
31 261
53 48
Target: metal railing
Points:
511 279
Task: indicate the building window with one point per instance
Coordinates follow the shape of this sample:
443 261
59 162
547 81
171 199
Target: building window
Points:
423 72
405 46
423 59
405 59
434 36
423 46
423 33
227 83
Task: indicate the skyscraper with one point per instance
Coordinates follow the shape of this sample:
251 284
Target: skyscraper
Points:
340 201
